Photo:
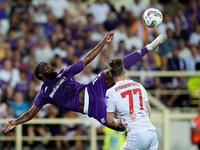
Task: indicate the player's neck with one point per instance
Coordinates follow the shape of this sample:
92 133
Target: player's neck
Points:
121 78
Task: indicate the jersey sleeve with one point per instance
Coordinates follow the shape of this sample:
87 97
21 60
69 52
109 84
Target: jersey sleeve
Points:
144 94
39 100
73 69
110 102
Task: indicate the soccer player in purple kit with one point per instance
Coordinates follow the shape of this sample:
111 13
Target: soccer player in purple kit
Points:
62 90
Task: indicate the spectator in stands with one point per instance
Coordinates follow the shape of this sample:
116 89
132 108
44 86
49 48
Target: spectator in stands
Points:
4 21
132 40
77 11
70 55
31 93
155 4
21 47
176 64
170 43
138 7
166 24
48 27
3 110
57 7
22 85
5 51
149 82
99 7
178 32
120 35
194 38
111 22
29 42
60 49
185 24
89 24
122 51
17 63
11 39
193 11
88 42
86 75
37 33
77 31
172 6
79 48
57 63
31 55
71 130
9 74
99 33
184 51
43 51
19 104
38 11
122 15
7 95
19 12
193 59
21 29
52 130
53 39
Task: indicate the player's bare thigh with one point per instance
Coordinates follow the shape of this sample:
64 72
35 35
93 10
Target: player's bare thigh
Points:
81 98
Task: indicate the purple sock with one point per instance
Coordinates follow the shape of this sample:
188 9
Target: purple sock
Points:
131 58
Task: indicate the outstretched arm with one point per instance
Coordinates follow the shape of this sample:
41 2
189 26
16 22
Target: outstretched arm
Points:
94 52
114 122
24 118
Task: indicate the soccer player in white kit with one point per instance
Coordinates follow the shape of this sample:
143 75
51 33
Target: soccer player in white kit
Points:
129 99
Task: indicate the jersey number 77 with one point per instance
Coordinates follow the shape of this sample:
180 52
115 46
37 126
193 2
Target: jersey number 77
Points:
130 94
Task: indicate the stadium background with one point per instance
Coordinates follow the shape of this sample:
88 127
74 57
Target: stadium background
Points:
62 31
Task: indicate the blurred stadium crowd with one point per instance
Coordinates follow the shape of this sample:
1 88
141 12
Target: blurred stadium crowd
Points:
63 31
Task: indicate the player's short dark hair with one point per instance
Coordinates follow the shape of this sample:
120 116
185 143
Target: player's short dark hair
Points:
37 71
116 66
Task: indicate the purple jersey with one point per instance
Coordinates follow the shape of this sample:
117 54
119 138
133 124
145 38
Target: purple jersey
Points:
63 90
97 101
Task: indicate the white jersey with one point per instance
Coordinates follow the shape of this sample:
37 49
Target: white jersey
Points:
129 98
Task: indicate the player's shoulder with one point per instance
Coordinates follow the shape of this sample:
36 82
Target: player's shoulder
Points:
134 82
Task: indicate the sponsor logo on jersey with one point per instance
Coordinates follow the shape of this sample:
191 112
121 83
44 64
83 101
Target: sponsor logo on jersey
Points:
58 84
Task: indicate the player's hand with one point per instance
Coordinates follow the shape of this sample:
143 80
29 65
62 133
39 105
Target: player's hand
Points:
9 126
120 124
109 36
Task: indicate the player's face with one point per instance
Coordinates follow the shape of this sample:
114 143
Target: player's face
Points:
48 71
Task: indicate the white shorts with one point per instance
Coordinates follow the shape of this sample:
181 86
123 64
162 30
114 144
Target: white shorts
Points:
144 140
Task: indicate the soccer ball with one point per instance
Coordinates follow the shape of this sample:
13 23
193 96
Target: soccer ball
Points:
152 18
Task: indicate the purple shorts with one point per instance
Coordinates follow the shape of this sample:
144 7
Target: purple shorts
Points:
97 101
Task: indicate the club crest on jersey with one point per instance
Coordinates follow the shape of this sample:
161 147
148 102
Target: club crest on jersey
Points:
133 117
102 120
